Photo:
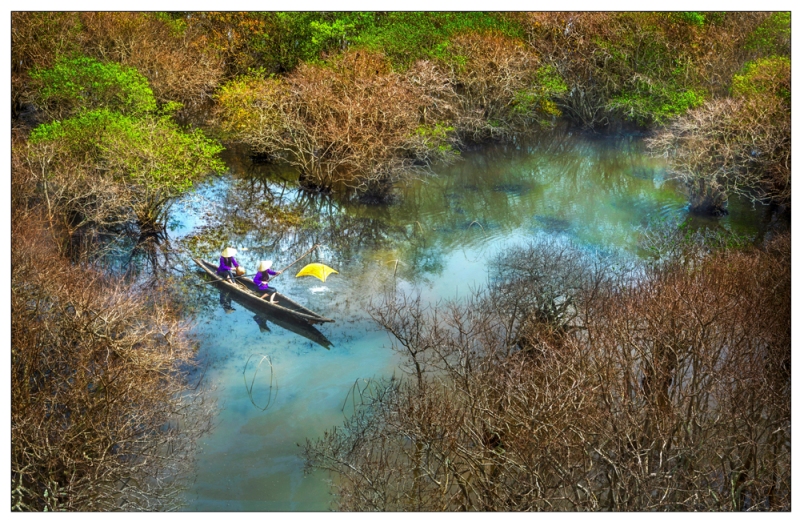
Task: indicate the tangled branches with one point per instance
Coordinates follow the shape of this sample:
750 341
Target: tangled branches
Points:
738 145
668 394
103 414
355 124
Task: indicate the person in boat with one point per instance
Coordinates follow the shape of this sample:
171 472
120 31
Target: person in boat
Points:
261 280
228 264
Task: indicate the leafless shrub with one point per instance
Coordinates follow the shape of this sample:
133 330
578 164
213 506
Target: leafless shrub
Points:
37 39
544 282
672 395
686 359
568 41
496 70
437 86
354 123
730 146
103 414
73 198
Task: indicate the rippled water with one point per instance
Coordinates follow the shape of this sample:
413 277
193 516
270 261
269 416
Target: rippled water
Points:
278 386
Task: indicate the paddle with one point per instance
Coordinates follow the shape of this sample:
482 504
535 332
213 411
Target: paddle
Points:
296 260
216 281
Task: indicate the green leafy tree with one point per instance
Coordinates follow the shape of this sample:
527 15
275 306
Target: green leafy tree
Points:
773 36
150 156
113 129
83 83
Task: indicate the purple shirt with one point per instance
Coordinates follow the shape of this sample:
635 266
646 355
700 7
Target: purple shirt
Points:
225 266
260 279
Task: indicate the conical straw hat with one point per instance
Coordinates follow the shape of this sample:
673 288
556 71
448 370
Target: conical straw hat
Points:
264 266
229 252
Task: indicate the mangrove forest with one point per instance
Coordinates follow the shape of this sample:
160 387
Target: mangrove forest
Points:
400 261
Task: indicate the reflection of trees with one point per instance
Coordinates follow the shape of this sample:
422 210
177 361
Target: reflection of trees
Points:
486 188
264 207
496 190
154 255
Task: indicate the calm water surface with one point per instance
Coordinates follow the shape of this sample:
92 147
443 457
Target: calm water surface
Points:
276 387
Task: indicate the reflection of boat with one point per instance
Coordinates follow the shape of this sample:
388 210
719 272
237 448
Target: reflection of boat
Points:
263 318
246 292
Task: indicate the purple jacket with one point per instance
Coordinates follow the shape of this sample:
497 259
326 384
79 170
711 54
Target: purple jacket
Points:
261 281
223 266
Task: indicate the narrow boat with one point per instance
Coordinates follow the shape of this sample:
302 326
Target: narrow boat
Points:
246 291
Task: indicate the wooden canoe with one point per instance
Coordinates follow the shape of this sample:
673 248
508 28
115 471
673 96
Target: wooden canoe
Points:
251 295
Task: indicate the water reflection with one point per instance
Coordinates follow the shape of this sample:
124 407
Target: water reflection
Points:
436 237
263 319
599 192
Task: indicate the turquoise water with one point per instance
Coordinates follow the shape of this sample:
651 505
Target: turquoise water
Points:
276 387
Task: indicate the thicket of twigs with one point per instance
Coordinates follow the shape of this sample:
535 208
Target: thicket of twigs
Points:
738 145
362 100
666 391
104 414
356 122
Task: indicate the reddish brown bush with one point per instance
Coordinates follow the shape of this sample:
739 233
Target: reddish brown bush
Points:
102 413
495 71
37 39
670 393
175 58
353 123
738 145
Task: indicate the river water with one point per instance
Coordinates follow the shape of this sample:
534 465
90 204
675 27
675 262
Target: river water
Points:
277 385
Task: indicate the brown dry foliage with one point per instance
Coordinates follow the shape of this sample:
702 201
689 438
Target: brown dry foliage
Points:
232 34
102 414
74 198
694 370
671 393
729 146
357 123
37 39
352 123
576 43
497 68
180 66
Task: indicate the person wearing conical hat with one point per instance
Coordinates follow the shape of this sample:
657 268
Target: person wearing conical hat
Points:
262 278
227 264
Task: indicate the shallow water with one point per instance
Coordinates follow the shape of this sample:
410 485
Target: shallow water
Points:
277 387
